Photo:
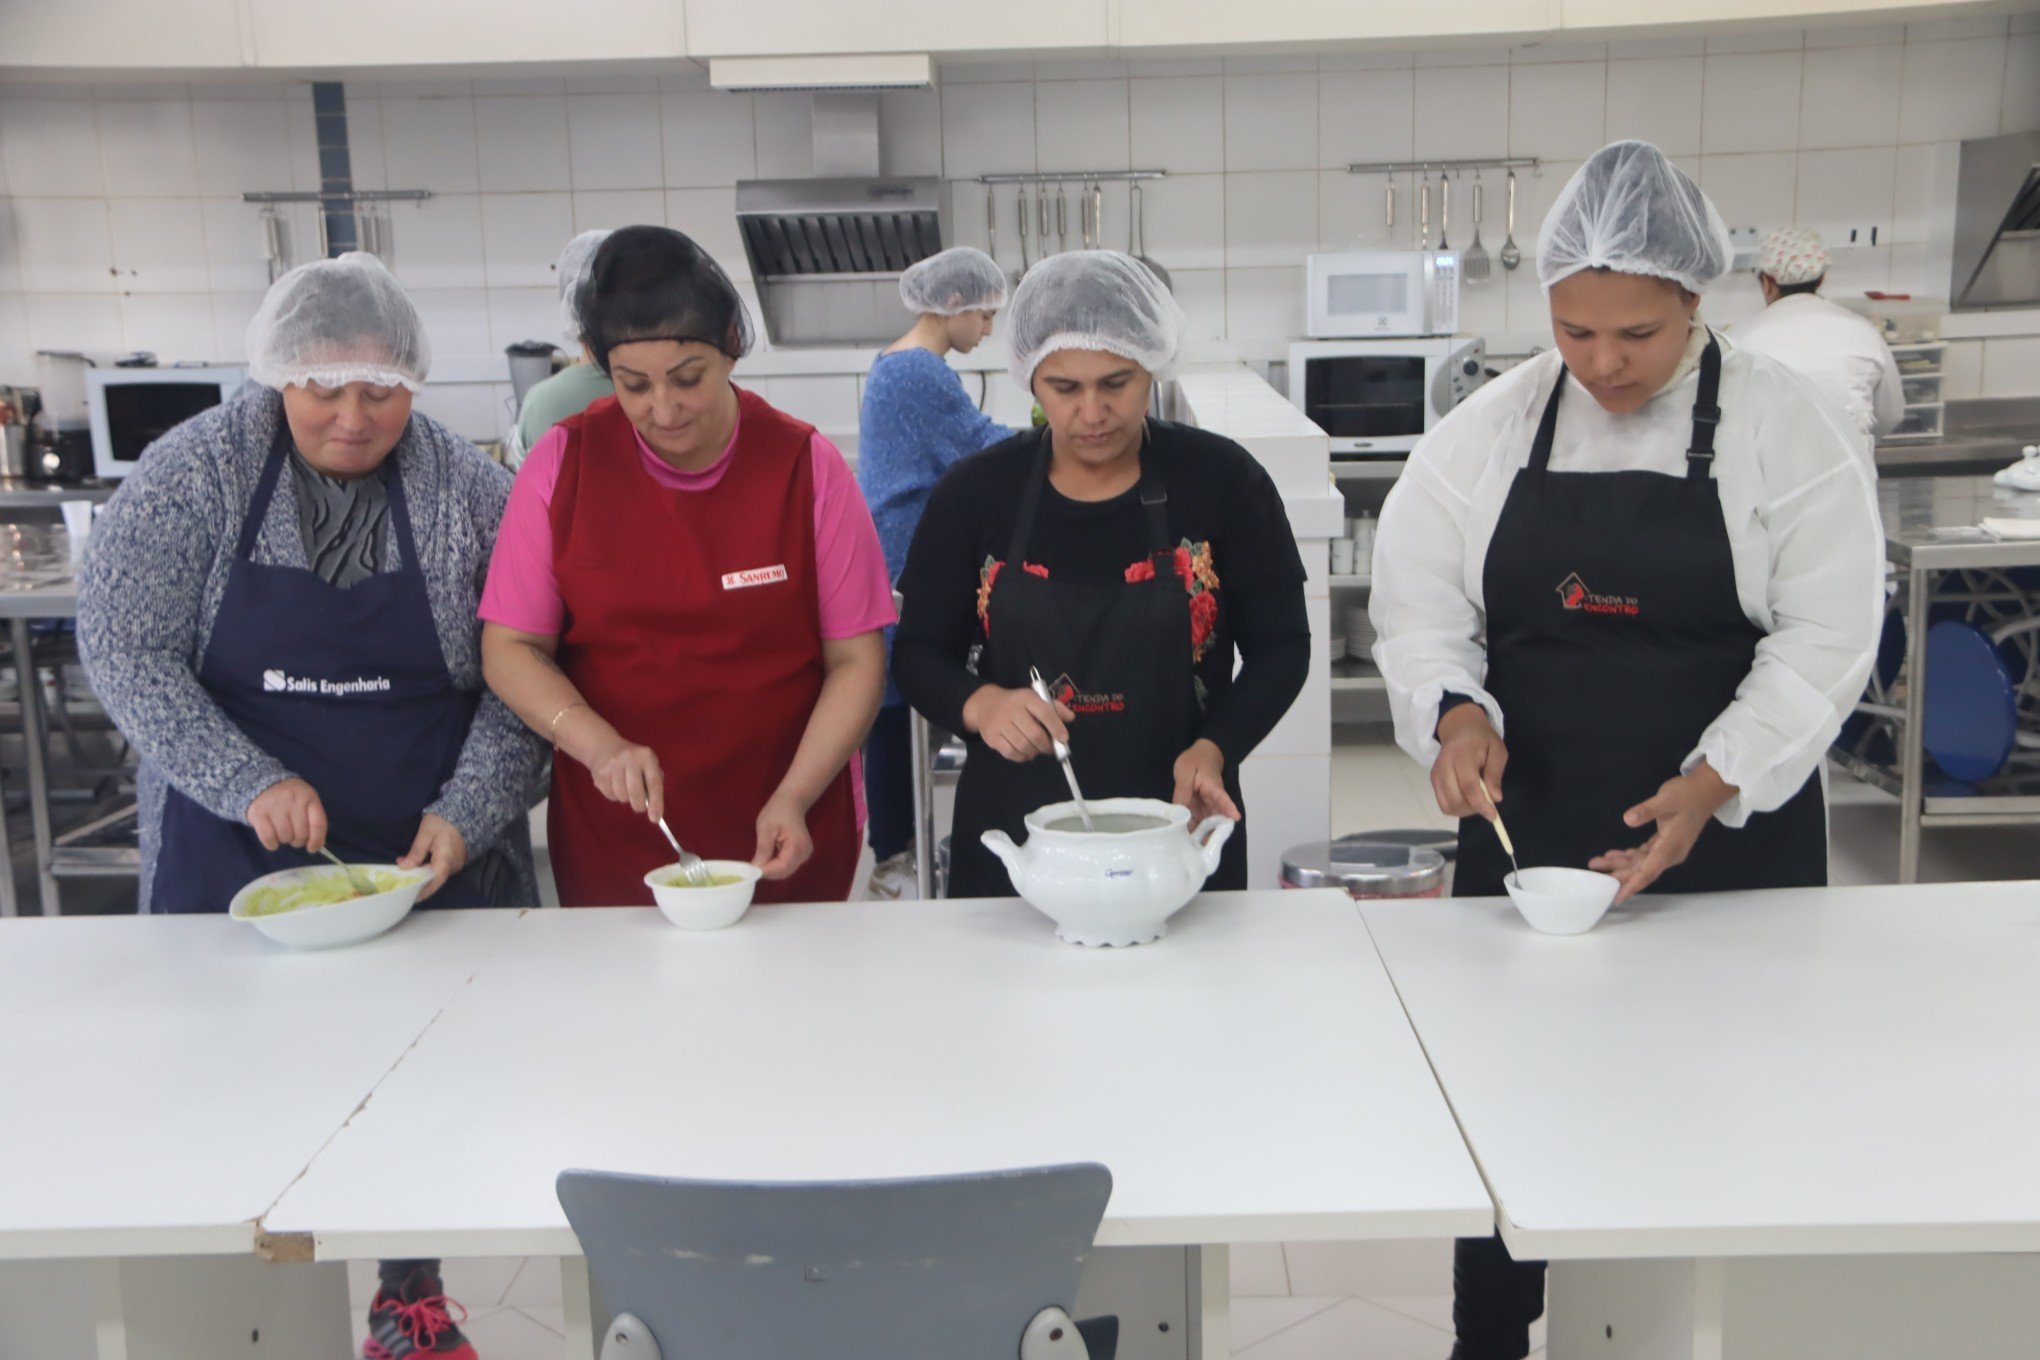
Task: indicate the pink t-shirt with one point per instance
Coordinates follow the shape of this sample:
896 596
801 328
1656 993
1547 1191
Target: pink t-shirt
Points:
523 593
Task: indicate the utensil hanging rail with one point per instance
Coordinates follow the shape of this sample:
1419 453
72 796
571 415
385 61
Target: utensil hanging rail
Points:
1068 176
1417 167
352 196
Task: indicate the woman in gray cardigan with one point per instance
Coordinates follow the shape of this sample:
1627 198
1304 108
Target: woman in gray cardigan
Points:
278 609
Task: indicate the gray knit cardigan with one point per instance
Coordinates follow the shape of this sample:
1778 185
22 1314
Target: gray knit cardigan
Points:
155 572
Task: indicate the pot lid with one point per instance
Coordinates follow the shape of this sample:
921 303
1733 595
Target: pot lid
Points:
1364 868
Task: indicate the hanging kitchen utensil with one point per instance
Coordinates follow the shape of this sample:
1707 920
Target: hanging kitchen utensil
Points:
1098 212
1511 257
1024 263
1474 268
1062 750
1084 212
1136 228
1062 216
1424 213
1041 217
992 223
1444 211
1389 211
275 241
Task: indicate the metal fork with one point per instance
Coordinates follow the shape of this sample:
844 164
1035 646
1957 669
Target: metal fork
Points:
691 866
363 885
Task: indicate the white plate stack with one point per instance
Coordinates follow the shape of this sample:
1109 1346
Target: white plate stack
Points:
1359 632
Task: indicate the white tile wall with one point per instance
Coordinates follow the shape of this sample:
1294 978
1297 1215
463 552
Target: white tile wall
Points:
243 146
159 245
1178 124
521 143
710 138
1657 101
1366 116
614 140
1081 125
1558 111
1271 122
1952 90
147 145
521 238
1751 102
2011 367
1842 125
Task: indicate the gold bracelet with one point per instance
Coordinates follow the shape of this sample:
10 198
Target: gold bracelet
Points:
553 728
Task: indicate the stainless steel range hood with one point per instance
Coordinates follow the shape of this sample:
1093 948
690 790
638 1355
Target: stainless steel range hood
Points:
1997 224
827 252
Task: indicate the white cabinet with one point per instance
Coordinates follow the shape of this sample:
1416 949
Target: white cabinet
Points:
397 33
719 28
120 33
1188 25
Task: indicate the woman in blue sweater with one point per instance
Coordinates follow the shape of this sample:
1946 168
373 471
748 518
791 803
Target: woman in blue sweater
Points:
915 424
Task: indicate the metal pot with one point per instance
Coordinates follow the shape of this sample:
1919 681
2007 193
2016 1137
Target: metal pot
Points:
1365 869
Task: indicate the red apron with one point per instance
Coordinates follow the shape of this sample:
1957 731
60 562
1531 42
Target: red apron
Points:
694 627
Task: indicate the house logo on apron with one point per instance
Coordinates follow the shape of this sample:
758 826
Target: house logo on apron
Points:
1076 701
279 682
1574 596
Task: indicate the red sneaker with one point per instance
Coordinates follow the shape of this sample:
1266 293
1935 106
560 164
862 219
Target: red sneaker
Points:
419 1322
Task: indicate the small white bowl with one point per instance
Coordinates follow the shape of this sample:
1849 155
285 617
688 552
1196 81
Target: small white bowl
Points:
335 923
1562 901
705 908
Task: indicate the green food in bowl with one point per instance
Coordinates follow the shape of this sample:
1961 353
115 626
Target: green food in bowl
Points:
678 879
323 890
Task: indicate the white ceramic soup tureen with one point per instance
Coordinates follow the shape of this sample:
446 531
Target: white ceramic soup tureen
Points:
1118 884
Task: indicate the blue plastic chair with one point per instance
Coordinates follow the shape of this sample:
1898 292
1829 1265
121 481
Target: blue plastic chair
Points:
974 1267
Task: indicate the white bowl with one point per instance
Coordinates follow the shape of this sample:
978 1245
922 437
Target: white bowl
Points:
1562 901
705 908
335 923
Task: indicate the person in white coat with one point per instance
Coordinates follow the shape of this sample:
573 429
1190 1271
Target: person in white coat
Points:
1628 590
1839 350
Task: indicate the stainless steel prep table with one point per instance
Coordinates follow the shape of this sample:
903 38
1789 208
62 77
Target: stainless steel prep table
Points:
1932 525
39 580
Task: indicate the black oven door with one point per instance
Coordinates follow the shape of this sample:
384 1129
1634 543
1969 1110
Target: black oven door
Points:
1366 400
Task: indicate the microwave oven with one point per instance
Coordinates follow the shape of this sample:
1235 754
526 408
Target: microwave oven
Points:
1365 293
1377 398
131 408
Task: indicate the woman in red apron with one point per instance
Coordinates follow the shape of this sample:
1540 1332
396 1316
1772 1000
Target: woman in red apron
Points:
686 598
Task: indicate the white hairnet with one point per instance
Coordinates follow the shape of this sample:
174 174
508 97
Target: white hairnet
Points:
954 281
1631 210
577 264
338 321
1092 299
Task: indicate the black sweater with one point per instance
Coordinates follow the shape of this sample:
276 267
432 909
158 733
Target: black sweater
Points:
1218 495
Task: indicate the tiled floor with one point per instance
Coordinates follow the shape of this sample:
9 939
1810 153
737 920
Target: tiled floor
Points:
1317 1301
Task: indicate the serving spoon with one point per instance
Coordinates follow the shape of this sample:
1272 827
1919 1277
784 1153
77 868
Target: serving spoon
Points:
1502 832
1062 750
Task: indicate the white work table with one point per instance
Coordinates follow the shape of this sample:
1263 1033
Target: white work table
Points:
165 1078
1826 1073
1248 1078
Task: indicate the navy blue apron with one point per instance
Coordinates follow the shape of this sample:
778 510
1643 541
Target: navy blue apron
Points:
349 690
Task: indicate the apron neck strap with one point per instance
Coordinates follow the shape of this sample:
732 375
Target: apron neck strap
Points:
265 491
1706 417
1154 504
1706 413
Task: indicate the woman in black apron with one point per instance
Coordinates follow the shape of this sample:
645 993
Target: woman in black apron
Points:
1125 558
278 610
1678 597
